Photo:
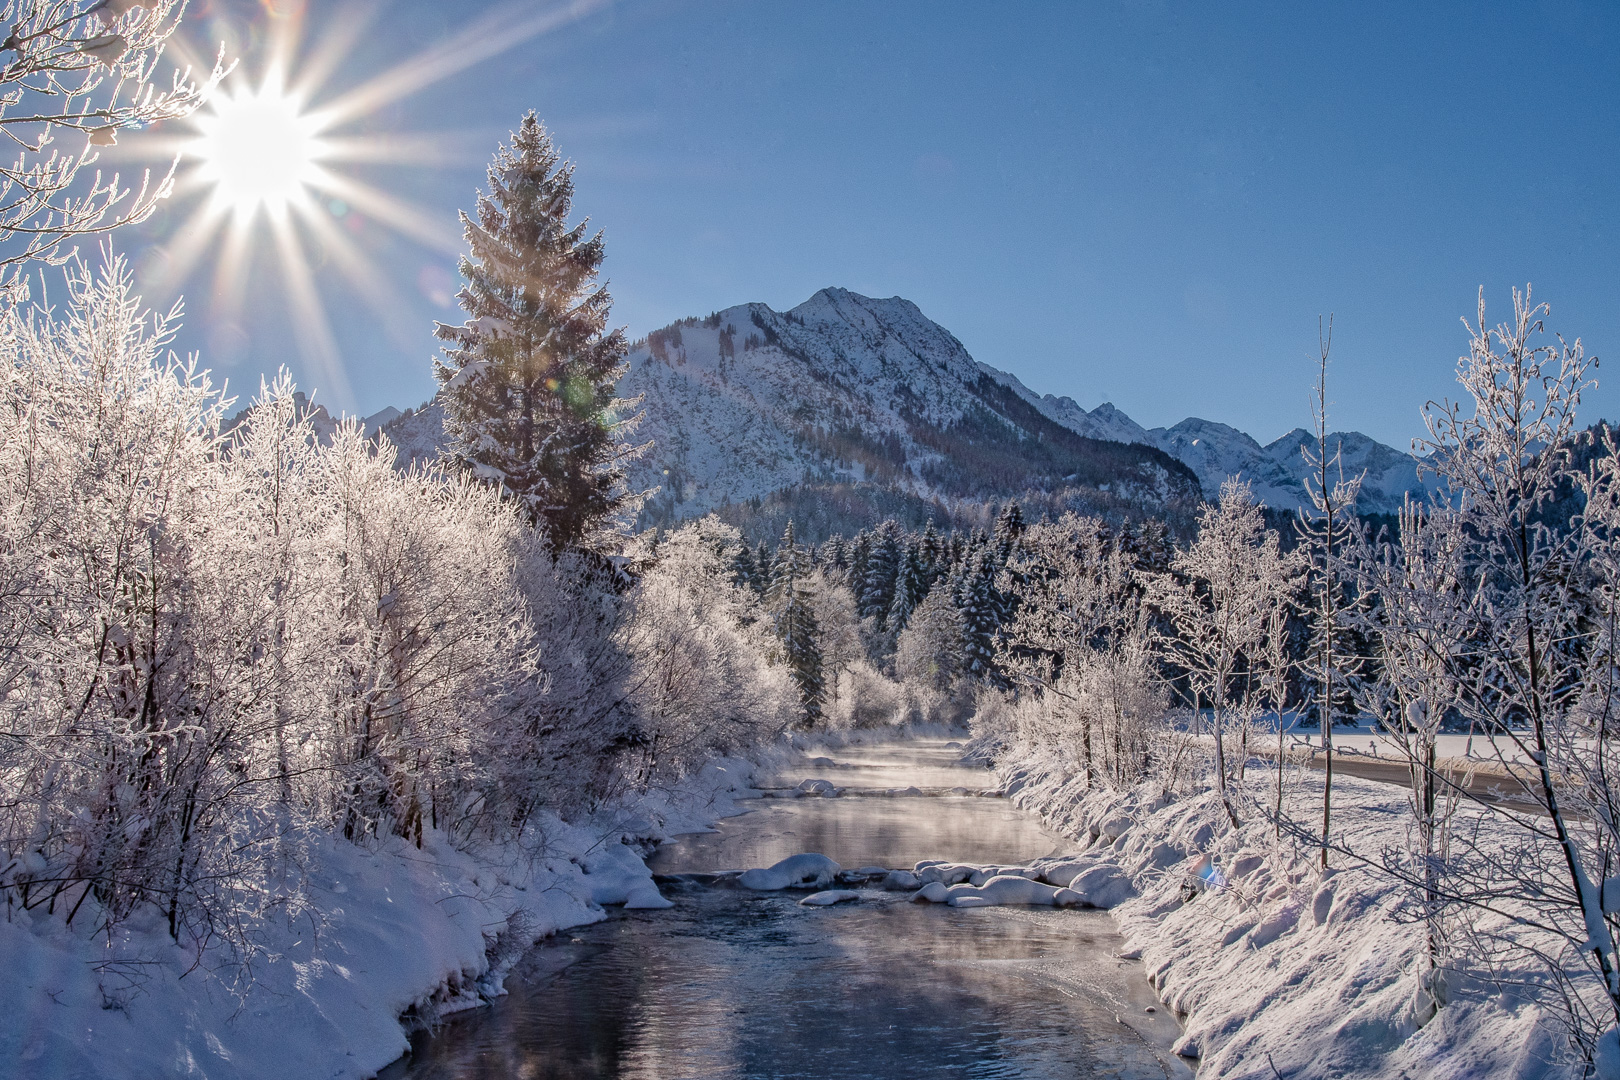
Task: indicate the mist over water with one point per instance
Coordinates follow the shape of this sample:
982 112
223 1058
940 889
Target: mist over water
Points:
736 984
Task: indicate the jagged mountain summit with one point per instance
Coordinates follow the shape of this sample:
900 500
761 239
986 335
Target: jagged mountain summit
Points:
849 392
848 389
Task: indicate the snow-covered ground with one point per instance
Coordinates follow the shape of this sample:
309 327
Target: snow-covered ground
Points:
1283 970
1363 738
391 933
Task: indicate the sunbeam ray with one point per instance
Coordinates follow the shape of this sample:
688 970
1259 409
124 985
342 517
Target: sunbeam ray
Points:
490 36
395 212
374 288
310 327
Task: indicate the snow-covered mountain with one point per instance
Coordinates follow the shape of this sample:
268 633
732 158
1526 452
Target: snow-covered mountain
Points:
845 388
750 401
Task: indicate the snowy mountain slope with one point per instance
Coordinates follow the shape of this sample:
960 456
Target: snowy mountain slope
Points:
848 388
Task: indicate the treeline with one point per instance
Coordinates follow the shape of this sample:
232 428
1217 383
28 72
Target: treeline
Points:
218 645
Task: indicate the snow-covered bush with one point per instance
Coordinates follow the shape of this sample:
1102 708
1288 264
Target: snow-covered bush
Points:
701 684
130 768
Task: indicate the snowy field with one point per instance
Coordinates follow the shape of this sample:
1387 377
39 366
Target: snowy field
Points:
1301 732
392 932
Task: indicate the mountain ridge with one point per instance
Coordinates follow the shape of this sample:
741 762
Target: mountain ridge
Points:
847 389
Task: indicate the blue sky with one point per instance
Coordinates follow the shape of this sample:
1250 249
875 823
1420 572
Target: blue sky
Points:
1145 203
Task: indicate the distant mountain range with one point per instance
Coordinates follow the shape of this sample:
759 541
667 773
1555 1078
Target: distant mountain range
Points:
850 392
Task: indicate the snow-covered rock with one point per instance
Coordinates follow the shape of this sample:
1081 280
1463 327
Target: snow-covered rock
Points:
829 897
793 872
1002 890
824 788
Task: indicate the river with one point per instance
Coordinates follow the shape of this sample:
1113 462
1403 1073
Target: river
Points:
735 984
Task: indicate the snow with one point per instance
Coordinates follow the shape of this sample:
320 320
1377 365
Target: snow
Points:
393 932
823 788
1276 967
1003 890
793 872
829 897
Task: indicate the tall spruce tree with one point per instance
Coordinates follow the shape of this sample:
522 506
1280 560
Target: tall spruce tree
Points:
794 620
528 380
882 563
909 589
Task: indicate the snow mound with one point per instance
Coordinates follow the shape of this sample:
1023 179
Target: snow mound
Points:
616 875
901 881
1004 890
793 872
829 897
824 788
1278 968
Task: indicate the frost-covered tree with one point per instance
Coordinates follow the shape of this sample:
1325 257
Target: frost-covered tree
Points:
1079 637
1427 608
1325 527
1225 587
81 73
1535 669
702 684
838 627
929 649
528 380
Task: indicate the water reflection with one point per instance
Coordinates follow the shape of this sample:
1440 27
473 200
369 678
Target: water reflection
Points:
735 984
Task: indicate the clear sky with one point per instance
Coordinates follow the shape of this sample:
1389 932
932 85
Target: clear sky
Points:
1144 203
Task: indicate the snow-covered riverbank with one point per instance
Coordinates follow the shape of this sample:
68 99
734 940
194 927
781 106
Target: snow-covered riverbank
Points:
390 937
1282 971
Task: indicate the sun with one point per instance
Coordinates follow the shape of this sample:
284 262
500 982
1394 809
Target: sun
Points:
258 149
278 166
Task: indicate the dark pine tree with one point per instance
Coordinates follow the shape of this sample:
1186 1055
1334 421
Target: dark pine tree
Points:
909 590
527 381
762 568
877 589
795 623
977 602
860 552
931 556
744 571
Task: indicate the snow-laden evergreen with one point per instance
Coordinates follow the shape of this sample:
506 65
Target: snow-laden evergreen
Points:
527 383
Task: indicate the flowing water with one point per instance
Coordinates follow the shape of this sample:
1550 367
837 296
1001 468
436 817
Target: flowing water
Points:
736 984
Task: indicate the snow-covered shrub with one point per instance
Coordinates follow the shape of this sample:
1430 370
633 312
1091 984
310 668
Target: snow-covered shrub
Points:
700 684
